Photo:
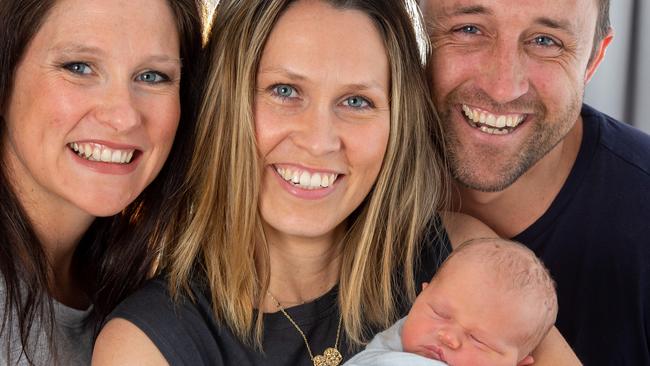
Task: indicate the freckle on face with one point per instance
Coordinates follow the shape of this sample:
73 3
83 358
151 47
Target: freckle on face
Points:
54 105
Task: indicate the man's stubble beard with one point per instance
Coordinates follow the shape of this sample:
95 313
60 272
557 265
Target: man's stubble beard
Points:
468 168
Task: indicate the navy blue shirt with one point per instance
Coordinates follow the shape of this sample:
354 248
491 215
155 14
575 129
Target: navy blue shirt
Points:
595 240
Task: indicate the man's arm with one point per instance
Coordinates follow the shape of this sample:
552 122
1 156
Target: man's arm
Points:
555 351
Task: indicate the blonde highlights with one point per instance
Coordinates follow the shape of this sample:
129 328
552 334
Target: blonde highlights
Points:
224 239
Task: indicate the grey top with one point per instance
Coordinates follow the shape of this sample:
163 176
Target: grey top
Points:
73 336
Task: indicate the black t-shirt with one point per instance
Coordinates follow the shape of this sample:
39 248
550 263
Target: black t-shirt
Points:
186 333
595 240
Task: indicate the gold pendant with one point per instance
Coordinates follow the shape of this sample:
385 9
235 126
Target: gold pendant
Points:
331 357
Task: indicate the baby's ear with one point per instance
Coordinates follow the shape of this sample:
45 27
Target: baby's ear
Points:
424 285
528 360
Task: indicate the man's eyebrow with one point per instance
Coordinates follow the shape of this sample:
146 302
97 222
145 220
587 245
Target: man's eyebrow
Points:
447 12
555 24
470 10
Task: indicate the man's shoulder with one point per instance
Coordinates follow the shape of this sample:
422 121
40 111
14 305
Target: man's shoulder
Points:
623 142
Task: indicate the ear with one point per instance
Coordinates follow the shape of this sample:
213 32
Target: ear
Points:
528 360
424 285
599 55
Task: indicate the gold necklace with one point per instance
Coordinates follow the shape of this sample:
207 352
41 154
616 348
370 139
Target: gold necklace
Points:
331 356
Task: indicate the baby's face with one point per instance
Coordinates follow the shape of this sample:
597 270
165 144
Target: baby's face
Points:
460 318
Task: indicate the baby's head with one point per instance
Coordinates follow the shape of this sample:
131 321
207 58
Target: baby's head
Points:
491 303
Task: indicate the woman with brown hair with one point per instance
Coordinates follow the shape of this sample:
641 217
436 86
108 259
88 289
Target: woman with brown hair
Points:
90 101
317 173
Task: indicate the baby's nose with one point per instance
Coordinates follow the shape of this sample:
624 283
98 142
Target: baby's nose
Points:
449 339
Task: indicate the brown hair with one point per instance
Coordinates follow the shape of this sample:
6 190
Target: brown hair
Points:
603 26
110 242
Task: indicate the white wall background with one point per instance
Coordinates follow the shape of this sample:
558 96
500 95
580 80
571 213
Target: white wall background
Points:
621 86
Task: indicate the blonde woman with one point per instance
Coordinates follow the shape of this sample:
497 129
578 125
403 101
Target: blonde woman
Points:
317 173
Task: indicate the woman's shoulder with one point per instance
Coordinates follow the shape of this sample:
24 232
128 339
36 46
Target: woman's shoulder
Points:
152 327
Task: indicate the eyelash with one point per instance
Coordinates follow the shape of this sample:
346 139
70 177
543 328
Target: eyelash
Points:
274 91
476 340
163 76
72 67
536 41
366 102
442 316
465 29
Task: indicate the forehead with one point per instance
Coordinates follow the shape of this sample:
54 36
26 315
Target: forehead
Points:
575 15
315 37
86 22
468 289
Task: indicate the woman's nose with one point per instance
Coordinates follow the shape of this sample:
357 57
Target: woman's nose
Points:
317 131
117 109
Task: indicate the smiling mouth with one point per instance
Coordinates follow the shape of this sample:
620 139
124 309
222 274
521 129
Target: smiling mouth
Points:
494 124
101 153
307 180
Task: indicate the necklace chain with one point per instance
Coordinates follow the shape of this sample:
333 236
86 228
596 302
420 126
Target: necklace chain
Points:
331 356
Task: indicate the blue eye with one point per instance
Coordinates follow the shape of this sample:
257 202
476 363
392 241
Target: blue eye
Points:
357 102
469 29
284 91
78 68
152 77
544 41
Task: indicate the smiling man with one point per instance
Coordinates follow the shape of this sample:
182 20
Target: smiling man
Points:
539 166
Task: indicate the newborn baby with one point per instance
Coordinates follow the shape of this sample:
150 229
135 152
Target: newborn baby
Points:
490 303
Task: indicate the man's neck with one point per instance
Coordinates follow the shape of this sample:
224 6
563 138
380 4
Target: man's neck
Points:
511 211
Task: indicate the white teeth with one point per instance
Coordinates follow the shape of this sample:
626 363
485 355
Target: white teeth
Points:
491 123
305 179
129 156
106 155
116 157
501 122
325 181
96 152
315 180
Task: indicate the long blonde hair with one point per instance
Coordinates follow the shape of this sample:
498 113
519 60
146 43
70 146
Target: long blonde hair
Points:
224 231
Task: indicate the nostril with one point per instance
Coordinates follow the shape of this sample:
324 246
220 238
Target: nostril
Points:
448 340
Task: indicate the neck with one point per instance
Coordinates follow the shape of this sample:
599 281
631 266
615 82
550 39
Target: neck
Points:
302 269
59 226
59 233
511 211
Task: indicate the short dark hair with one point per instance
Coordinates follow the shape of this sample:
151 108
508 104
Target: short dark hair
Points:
603 26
